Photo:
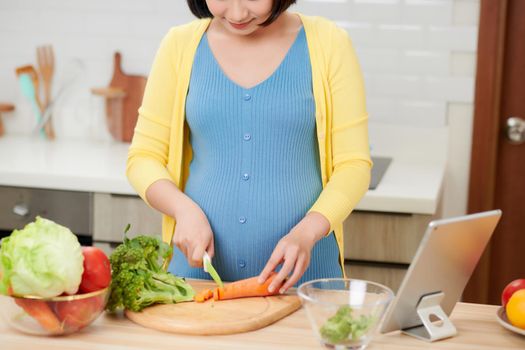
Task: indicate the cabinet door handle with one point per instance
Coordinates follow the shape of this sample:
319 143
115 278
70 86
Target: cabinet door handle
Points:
21 209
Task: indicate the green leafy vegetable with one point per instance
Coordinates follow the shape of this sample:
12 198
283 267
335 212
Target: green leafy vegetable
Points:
343 326
43 259
138 279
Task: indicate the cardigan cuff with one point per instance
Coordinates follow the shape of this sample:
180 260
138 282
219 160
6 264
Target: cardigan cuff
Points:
334 206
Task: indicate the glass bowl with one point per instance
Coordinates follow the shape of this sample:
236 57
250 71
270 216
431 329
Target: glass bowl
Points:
344 313
53 316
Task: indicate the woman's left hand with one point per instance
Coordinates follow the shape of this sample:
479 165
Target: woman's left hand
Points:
293 251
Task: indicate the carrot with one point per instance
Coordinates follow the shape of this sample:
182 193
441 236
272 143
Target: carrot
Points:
245 288
248 287
203 295
41 312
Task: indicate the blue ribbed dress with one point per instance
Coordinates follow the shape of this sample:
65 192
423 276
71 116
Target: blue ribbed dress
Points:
255 170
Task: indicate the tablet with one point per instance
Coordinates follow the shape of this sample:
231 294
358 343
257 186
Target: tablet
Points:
447 255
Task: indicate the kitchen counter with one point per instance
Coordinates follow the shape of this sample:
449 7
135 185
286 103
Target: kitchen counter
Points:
411 184
476 324
72 165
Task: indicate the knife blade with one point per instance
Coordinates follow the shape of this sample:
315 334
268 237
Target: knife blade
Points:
208 267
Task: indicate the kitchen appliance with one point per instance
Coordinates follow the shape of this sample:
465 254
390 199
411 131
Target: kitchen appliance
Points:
19 206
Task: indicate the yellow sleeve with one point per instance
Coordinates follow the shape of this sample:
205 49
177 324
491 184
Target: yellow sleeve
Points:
148 152
351 162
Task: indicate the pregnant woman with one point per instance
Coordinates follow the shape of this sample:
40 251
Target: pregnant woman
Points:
252 140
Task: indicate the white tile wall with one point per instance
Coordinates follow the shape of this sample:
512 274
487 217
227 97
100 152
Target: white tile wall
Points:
466 12
407 50
463 64
418 56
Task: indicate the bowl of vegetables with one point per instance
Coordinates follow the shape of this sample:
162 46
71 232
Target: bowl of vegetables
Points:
49 283
344 313
59 315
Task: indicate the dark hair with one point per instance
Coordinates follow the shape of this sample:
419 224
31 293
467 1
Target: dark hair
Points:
200 9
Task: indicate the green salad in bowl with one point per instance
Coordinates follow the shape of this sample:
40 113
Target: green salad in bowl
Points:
344 313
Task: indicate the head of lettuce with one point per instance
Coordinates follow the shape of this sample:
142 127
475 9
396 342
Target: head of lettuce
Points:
43 259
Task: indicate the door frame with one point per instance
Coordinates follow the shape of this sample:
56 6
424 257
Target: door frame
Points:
486 130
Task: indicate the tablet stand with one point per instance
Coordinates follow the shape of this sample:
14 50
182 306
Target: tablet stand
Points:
429 305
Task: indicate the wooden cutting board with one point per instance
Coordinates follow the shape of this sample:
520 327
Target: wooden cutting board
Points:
122 121
216 317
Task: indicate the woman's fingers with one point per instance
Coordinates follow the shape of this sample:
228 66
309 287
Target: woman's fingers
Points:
286 269
195 260
193 249
275 259
300 267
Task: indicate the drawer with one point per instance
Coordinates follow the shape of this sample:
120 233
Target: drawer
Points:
388 275
19 206
383 237
112 213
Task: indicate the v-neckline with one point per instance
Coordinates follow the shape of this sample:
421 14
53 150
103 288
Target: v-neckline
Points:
275 71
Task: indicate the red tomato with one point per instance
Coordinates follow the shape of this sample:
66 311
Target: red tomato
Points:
77 313
510 289
97 270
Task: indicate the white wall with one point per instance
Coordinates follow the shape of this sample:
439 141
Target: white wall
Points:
418 57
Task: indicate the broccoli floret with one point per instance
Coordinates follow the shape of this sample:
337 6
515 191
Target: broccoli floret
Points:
342 326
138 279
339 326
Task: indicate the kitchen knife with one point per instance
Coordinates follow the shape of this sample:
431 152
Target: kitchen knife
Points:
208 267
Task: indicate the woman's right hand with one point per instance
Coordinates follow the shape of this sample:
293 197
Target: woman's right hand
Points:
193 234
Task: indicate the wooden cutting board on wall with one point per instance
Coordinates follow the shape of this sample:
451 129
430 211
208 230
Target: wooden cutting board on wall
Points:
216 317
133 87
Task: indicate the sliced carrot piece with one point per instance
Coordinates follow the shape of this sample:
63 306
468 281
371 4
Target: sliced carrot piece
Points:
203 295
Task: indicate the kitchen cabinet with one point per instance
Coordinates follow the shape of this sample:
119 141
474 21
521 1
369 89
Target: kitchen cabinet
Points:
96 218
113 212
386 274
380 246
20 205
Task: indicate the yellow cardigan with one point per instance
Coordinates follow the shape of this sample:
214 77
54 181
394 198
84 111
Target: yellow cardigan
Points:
160 148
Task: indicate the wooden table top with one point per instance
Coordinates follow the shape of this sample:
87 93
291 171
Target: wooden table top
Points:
476 324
